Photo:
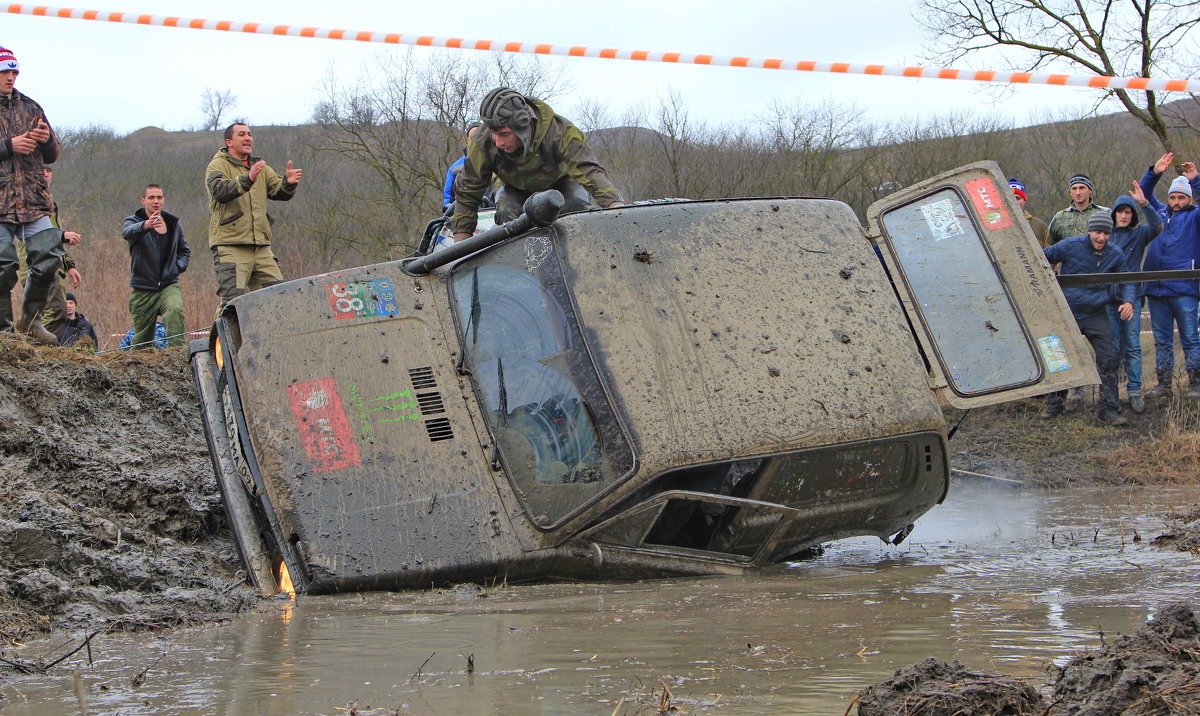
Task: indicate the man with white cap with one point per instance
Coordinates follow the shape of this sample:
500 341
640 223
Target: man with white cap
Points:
1174 303
27 143
1073 220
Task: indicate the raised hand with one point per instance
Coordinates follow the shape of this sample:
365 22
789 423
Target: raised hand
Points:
256 169
1164 162
1138 196
292 175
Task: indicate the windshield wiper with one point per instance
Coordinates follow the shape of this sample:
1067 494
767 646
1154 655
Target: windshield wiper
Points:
472 326
503 392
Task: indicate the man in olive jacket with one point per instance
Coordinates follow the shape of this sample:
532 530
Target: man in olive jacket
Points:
530 149
239 231
158 254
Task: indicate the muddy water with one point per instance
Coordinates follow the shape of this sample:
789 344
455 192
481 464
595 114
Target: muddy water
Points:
1014 581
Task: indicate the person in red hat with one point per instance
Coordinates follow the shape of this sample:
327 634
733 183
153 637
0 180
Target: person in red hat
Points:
1040 229
27 143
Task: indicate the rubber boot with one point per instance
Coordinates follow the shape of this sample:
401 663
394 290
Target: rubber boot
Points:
1055 405
1193 392
30 322
9 261
6 316
44 251
1163 389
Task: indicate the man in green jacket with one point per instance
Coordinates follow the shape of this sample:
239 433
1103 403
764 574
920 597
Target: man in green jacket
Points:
530 149
239 231
1073 220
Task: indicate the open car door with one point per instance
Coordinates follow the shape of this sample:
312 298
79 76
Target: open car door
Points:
980 296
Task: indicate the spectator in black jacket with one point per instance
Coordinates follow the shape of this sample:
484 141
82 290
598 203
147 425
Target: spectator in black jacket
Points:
158 254
76 326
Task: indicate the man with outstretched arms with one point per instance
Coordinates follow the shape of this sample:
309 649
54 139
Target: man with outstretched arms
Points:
239 232
1173 303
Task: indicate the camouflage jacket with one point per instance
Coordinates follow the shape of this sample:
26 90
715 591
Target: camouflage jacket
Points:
558 150
24 196
1073 222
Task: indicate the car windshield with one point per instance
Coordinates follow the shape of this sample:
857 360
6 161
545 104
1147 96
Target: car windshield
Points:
556 431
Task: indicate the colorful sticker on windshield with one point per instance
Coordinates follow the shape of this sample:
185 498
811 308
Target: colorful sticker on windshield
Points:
323 425
939 216
1054 353
362 299
988 203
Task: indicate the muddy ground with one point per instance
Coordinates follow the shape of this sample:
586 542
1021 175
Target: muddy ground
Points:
1159 447
109 513
110 518
1153 672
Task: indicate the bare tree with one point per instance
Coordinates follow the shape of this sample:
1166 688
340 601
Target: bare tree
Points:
1105 37
214 104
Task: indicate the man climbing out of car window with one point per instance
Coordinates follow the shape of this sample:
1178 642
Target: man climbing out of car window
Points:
530 149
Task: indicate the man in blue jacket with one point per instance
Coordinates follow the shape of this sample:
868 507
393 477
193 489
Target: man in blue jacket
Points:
1094 254
1173 303
1132 236
456 168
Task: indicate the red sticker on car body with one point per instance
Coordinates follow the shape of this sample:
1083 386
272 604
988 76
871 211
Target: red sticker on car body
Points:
323 425
988 203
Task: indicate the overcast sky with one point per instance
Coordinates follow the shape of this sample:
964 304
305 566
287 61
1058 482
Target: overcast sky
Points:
129 76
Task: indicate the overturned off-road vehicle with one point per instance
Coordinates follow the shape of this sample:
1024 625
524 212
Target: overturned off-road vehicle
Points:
663 389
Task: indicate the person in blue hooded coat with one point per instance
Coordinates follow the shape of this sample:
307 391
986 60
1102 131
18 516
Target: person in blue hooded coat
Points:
1173 303
1132 236
1094 254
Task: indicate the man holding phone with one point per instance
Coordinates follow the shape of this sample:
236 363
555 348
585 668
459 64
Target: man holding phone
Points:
27 143
158 254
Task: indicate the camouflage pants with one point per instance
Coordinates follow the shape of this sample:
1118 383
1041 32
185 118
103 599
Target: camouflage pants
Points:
243 268
146 306
55 313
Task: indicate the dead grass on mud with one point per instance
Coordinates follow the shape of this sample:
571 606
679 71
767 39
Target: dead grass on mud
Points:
1160 447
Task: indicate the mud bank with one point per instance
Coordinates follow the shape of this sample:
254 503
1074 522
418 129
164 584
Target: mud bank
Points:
1154 672
110 517
1159 447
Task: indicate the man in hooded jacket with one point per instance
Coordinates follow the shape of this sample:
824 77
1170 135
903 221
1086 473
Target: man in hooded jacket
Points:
1173 303
1132 236
530 149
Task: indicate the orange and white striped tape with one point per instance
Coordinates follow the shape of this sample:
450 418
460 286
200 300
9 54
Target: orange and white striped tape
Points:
392 38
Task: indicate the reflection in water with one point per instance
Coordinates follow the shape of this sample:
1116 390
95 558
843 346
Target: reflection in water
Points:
1003 580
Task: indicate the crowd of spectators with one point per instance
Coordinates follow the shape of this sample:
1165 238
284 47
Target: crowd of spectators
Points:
1139 233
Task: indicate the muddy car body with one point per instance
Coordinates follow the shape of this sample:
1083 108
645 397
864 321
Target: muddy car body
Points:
673 388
